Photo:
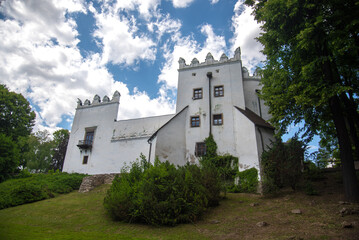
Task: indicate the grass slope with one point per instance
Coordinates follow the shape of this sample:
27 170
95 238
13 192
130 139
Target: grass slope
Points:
82 216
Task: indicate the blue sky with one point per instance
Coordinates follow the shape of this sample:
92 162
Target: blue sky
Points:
55 51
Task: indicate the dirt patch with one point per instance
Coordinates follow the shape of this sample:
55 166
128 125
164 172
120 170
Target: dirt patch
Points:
240 215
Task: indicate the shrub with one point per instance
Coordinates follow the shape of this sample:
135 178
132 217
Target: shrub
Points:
15 192
161 194
225 165
247 181
282 165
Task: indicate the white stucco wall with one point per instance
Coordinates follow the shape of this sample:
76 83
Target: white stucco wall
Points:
171 140
228 74
251 84
246 142
115 142
101 117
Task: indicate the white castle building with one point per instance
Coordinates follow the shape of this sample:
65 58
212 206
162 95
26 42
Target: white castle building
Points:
216 96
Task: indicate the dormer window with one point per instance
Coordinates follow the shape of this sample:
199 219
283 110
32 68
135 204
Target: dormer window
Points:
197 93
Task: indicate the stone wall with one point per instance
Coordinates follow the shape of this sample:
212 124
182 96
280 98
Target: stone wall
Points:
90 182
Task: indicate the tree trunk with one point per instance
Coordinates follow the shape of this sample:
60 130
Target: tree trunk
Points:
350 181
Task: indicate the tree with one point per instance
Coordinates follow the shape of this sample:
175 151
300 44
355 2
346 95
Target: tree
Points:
311 71
16 117
16 122
39 156
61 139
9 155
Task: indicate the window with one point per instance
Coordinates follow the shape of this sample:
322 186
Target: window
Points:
193 74
89 137
195 121
200 149
197 93
218 91
85 159
217 119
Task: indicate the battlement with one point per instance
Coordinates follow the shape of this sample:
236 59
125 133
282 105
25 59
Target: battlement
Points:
97 101
210 60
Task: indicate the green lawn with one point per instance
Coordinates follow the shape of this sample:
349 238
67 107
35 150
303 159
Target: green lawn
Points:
82 216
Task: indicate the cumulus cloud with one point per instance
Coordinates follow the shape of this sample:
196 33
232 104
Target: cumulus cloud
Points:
246 29
121 41
188 48
39 58
214 1
181 3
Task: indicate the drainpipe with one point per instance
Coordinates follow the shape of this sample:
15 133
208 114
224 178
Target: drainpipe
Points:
209 75
149 154
259 103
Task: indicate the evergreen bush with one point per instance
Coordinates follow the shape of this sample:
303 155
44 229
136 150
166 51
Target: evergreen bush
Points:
161 194
247 181
15 192
282 165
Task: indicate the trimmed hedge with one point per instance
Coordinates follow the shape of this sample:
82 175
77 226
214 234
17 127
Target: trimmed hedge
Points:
37 187
162 194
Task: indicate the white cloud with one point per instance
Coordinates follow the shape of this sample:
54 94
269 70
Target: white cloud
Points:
246 29
188 48
214 1
144 7
42 62
181 3
121 41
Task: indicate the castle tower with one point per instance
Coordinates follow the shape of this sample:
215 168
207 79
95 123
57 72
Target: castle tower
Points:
91 134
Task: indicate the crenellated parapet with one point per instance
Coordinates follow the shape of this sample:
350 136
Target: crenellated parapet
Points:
210 60
97 100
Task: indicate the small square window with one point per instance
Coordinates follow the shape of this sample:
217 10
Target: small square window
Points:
218 91
197 93
85 159
200 149
217 119
195 121
193 74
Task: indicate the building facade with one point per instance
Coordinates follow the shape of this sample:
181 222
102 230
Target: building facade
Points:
215 97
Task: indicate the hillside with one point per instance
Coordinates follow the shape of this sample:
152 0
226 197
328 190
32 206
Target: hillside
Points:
82 216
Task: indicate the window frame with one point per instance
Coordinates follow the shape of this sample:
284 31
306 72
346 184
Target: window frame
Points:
193 121
217 92
196 95
217 121
200 149
85 160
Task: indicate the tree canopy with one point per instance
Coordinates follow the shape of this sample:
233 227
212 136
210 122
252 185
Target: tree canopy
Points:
311 71
16 122
16 116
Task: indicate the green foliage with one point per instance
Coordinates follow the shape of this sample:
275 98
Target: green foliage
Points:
15 192
161 194
16 118
211 147
9 155
39 156
225 165
282 164
247 181
61 139
311 72
309 189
